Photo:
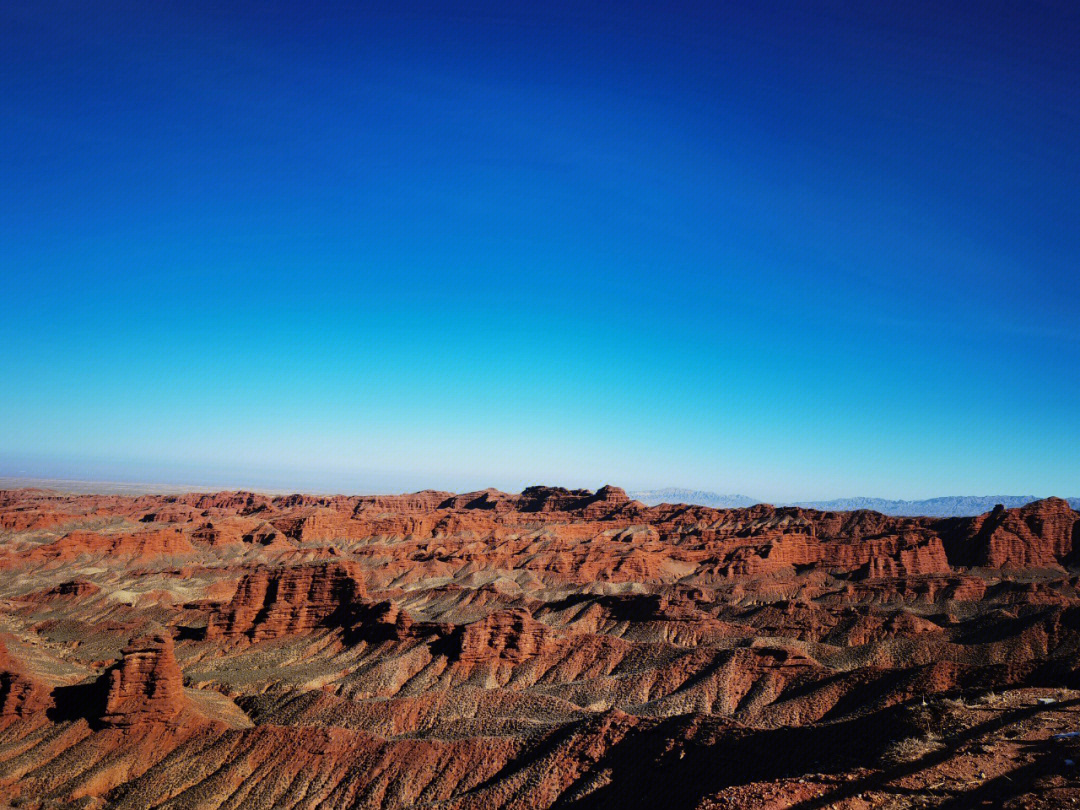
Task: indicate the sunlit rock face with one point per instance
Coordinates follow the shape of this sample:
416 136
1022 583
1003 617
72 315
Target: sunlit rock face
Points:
146 686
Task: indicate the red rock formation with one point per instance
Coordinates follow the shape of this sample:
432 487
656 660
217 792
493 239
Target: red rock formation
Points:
270 603
504 635
72 590
225 531
145 687
384 620
1039 535
492 650
137 545
266 534
601 504
21 694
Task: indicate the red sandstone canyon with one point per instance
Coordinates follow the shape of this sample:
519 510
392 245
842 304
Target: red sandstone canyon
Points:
552 649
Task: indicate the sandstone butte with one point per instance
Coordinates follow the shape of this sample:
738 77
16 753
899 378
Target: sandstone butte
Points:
554 648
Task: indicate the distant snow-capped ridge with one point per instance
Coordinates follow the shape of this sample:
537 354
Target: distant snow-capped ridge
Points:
952 506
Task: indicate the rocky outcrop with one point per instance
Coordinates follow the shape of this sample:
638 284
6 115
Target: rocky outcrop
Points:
321 523
21 694
137 546
72 590
603 503
382 621
266 534
504 635
145 687
1042 534
270 603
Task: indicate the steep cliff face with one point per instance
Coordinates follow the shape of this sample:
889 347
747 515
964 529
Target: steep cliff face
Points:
1042 534
604 503
270 603
145 687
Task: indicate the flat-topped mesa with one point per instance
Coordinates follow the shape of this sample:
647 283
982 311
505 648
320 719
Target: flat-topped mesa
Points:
427 500
271 603
485 499
1042 534
243 503
145 687
552 499
597 504
322 523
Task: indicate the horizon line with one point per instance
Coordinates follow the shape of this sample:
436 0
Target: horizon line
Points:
85 487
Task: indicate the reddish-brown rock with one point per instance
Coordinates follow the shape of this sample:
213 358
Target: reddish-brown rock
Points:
145 687
75 589
21 694
270 603
504 635
550 648
1042 534
141 546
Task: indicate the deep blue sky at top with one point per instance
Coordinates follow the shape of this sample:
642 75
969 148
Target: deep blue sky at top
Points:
792 249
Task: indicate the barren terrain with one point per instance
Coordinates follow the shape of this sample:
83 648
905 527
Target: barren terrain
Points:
549 649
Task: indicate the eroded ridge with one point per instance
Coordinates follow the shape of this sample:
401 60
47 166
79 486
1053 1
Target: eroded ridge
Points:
550 648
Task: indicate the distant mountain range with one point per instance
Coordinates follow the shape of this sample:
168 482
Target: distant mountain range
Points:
954 506
653 497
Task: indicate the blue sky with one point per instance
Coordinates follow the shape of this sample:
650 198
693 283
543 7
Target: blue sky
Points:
790 249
